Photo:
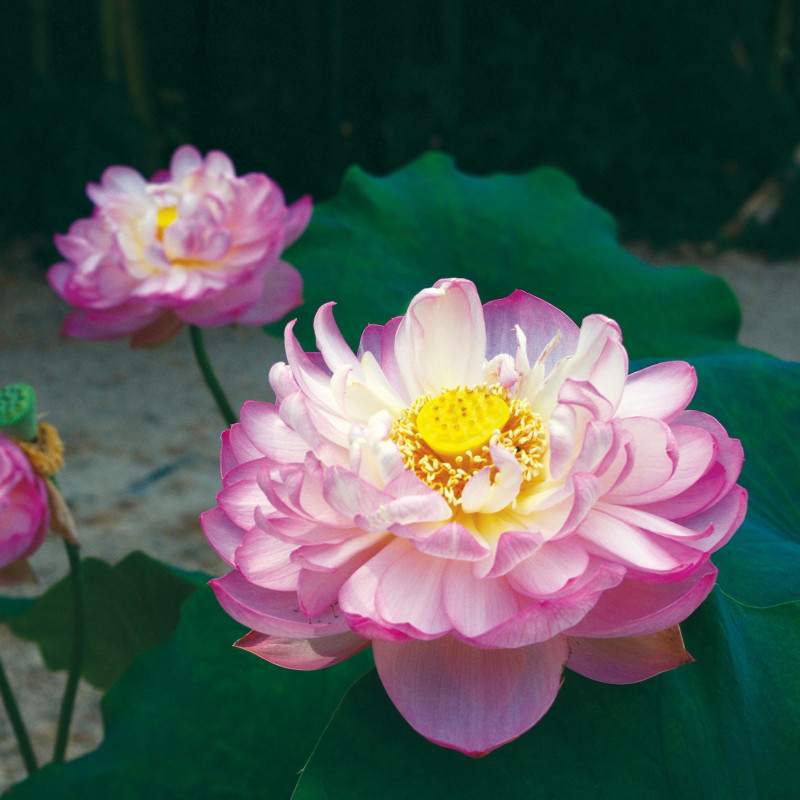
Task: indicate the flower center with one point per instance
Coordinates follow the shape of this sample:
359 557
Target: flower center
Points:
166 216
456 421
445 439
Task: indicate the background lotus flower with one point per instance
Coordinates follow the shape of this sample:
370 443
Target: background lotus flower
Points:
24 512
486 496
196 244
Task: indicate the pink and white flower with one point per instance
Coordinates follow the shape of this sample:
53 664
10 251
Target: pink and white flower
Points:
196 244
24 512
483 494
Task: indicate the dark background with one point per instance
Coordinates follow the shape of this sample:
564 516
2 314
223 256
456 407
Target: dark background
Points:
670 113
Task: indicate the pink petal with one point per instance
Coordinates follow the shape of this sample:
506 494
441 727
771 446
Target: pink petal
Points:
635 608
655 456
265 561
380 341
318 588
270 434
628 659
694 451
466 698
720 521
441 341
303 654
296 220
607 535
184 161
451 541
114 323
539 321
267 611
661 391
358 593
540 620
512 548
476 606
408 595
282 290
550 568
330 342
222 534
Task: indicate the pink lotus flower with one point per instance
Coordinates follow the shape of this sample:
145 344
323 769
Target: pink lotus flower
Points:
24 512
195 245
483 494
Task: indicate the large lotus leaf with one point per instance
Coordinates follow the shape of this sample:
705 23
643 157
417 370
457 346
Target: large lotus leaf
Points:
195 718
381 240
13 607
129 607
725 726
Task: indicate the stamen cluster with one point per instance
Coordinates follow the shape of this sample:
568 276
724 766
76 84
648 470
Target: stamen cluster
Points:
523 434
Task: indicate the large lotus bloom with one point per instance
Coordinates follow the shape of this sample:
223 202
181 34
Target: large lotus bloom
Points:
195 245
483 494
24 512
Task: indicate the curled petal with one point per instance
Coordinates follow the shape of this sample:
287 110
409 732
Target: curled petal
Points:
303 654
628 659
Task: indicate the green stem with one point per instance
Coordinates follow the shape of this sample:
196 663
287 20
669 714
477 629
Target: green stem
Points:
76 662
17 723
196 335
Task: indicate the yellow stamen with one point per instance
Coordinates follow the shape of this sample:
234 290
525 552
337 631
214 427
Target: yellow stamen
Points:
445 439
46 452
166 216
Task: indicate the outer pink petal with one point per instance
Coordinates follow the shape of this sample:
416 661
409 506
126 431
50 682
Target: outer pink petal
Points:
661 391
222 534
114 323
635 608
610 537
185 160
298 215
267 611
282 290
466 698
541 619
303 654
270 434
330 342
629 659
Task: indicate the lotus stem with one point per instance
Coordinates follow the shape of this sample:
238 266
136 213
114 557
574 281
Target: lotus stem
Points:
76 661
17 723
214 386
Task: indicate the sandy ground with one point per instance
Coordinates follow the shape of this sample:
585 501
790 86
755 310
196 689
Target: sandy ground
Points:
142 438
